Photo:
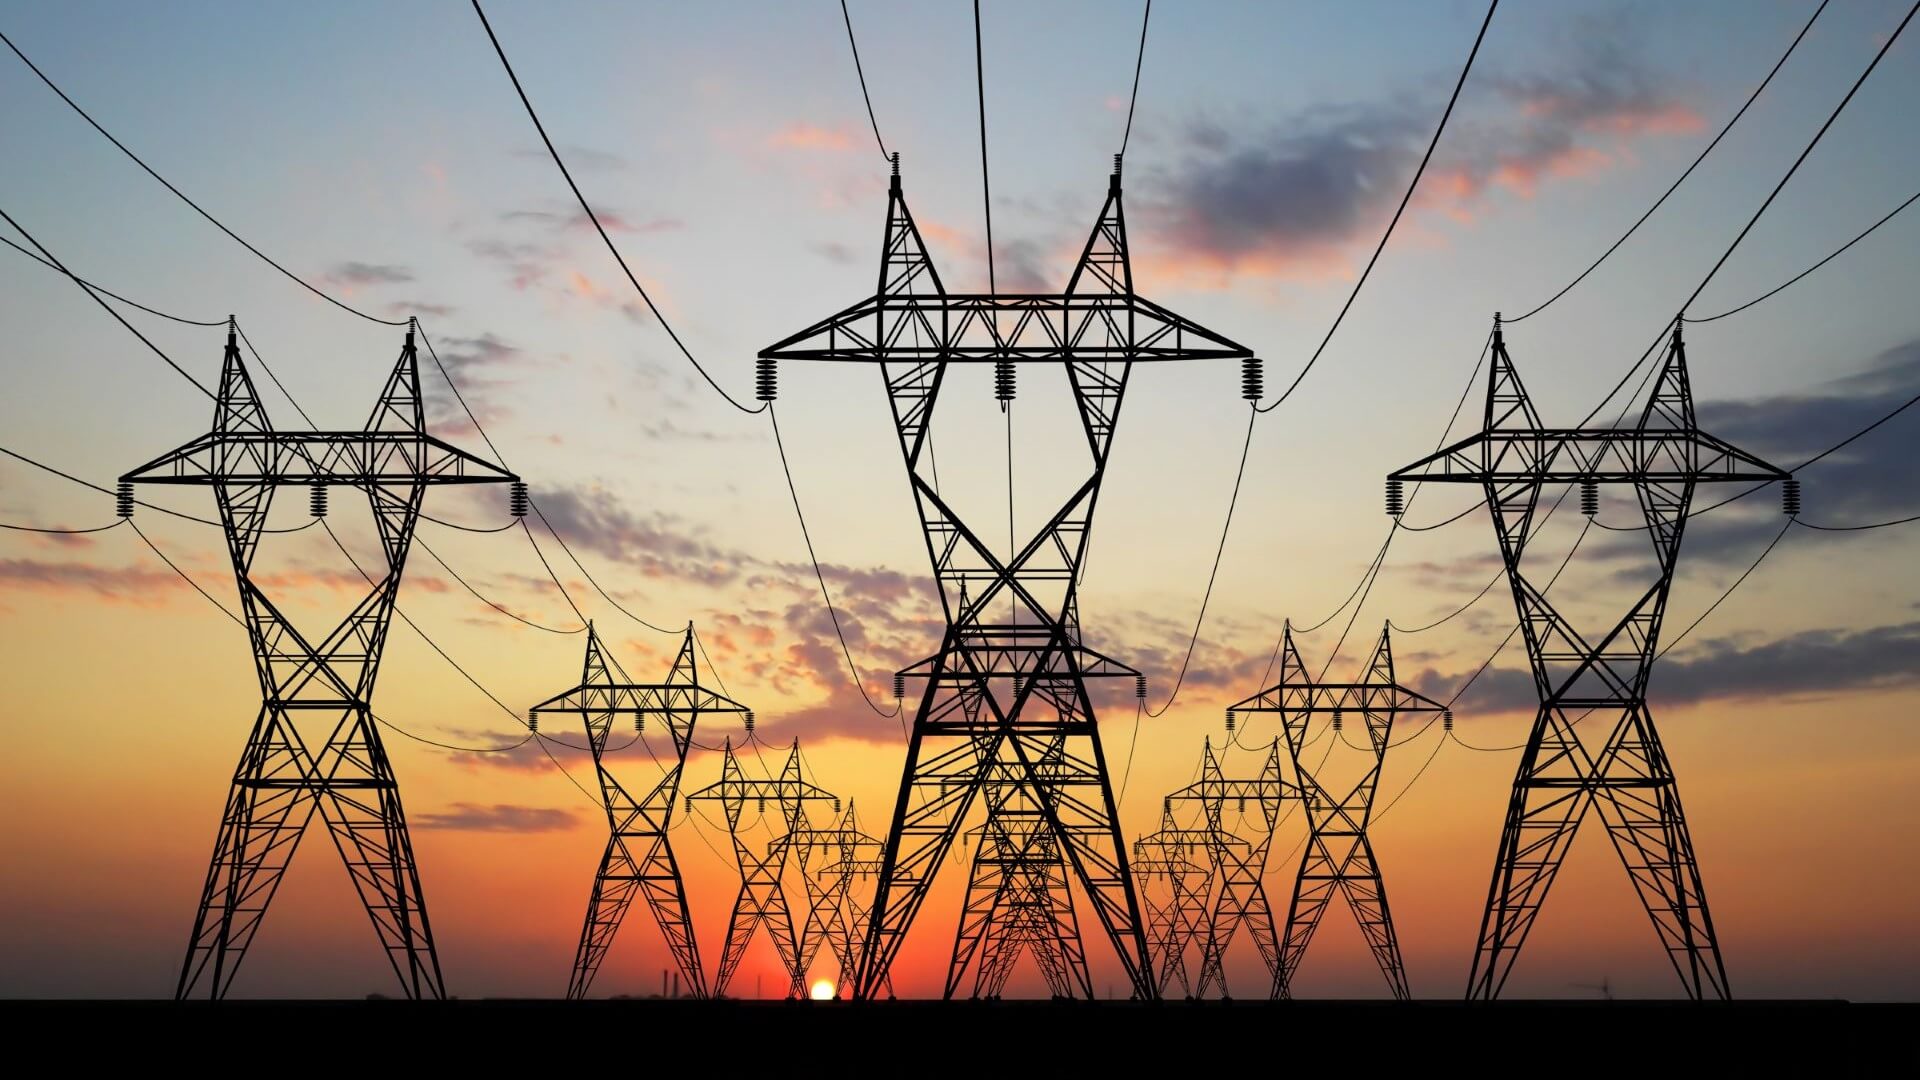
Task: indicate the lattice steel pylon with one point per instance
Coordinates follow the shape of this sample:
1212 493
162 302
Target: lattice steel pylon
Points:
763 894
315 692
1097 329
1182 922
835 915
1018 900
1338 854
639 856
1239 876
1622 771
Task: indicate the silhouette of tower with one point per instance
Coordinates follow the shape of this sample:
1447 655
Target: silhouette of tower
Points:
1183 921
1239 885
835 916
1018 900
639 857
1338 856
1593 743
1029 670
763 895
315 745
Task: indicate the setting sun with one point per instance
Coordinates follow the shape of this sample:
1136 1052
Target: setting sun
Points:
822 990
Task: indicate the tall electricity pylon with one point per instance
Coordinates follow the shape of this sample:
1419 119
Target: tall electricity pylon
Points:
1182 922
1239 886
1593 743
315 745
763 893
1018 899
639 856
1030 670
1338 856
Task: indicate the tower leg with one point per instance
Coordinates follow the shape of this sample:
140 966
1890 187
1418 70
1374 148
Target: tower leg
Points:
1550 796
613 888
266 813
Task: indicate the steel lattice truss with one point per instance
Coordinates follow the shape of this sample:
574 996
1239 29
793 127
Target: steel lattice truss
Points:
1593 743
835 914
998 693
1018 901
639 857
763 895
1338 855
1183 921
1239 866
315 746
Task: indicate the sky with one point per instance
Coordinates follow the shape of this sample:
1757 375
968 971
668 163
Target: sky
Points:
378 151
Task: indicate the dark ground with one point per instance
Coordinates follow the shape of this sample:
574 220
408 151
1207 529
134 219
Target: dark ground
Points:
988 1039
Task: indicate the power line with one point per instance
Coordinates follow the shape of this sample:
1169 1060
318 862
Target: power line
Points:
986 186
104 306
1232 501
1856 528
821 577
857 70
1757 214
1401 209
17 456
1764 552
117 522
1675 186
490 603
1139 59
595 218
182 196
114 295
1769 294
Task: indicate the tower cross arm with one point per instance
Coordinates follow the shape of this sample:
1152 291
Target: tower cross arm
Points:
1215 790
318 457
1602 455
1337 697
657 698
980 328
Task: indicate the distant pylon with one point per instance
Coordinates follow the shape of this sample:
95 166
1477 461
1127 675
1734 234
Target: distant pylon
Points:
1239 885
1182 922
639 856
1030 670
835 916
1615 764
763 895
315 745
1018 901
1338 855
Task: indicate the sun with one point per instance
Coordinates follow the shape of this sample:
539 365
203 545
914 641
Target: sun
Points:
822 990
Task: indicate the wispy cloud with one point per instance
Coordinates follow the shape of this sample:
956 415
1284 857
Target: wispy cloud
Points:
497 817
801 135
358 274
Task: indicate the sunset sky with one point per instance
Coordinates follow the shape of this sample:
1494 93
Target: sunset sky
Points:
379 151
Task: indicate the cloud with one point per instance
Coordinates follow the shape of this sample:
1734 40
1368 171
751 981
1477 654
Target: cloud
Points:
1875 479
1812 663
134 584
655 543
1293 202
498 817
804 136
835 252
611 220
420 307
356 274
480 366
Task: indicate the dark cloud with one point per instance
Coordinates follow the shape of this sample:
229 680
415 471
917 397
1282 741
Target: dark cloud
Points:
1875 479
498 817
1288 202
1807 664
481 367
526 265
658 544
360 273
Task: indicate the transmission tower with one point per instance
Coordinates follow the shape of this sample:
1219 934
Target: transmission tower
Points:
913 329
1181 923
834 915
639 857
1338 856
763 895
1239 886
314 745
1593 743
1018 899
